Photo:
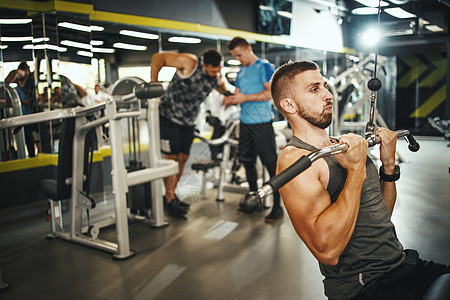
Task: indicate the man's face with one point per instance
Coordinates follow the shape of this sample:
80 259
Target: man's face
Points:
315 102
243 54
212 71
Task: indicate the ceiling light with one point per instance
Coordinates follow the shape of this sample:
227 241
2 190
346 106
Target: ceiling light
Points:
15 21
96 28
371 37
372 3
285 14
129 46
76 44
85 53
79 27
365 11
103 50
233 62
3 47
40 40
434 28
45 46
265 7
186 40
399 13
96 43
16 38
142 35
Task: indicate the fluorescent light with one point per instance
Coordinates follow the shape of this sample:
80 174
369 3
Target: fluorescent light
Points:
186 40
45 46
80 27
285 14
16 38
365 11
40 40
103 50
96 28
434 28
76 44
96 43
142 35
14 21
129 46
233 62
399 13
3 47
85 53
372 3
264 7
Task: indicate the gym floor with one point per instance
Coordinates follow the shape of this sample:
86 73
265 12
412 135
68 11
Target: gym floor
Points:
215 253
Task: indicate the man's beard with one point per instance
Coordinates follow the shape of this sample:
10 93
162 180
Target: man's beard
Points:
323 120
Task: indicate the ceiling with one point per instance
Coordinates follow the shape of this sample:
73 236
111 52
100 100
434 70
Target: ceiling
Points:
400 35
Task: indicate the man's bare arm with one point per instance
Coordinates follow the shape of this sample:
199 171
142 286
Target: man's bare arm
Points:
324 227
184 62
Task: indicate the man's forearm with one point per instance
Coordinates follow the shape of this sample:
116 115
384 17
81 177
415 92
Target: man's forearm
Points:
261 96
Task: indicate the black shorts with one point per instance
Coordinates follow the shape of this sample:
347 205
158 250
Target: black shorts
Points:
175 138
257 139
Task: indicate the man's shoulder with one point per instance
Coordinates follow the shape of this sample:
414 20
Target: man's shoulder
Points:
289 155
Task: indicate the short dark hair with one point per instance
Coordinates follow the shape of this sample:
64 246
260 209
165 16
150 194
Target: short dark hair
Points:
236 42
212 57
281 83
24 66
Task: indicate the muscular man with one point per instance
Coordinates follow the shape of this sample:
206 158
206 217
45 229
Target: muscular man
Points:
256 137
179 106
341 207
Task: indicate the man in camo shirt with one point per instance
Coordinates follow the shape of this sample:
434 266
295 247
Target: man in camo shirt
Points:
179 105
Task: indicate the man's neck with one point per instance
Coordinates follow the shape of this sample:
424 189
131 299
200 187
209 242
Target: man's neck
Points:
312 134
253 60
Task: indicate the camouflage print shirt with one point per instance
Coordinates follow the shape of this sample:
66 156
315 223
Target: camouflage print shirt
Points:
180 102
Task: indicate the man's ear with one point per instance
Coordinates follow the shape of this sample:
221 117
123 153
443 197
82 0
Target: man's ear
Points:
288 105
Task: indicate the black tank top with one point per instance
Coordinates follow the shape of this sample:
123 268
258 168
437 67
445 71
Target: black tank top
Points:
373 248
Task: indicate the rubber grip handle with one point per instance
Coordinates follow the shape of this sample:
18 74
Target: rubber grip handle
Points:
287 175
413 144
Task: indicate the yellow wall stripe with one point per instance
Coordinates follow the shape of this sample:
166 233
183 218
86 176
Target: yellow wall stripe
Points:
44 159
438 73
417 68
428 106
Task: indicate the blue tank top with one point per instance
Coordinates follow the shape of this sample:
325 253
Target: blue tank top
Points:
250 80
373 249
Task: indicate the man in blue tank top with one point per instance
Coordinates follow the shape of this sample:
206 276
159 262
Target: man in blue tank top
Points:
256 136
194 79
340 206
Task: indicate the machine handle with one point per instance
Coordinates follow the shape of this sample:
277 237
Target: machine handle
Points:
305 162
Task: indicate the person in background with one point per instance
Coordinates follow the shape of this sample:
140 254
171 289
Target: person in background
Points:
256 137
341 206
100 96
26 89
194 79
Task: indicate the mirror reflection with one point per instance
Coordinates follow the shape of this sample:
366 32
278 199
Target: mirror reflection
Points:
74 60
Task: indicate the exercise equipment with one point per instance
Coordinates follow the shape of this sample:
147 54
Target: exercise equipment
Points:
116 108
12 139
224 144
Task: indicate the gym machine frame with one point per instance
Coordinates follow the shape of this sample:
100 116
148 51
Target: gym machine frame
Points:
116 108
